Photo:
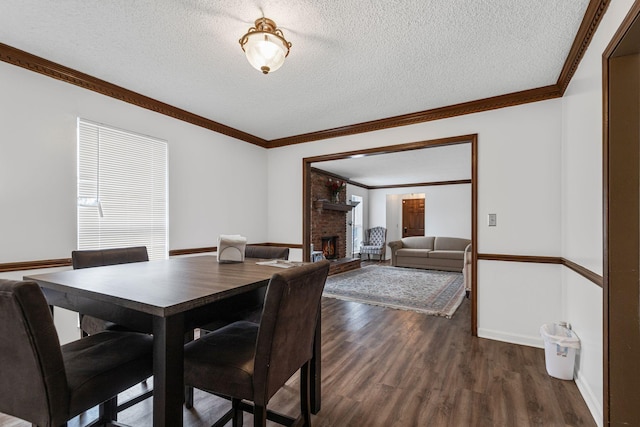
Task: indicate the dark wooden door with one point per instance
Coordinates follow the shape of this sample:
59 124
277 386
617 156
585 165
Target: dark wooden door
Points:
412 217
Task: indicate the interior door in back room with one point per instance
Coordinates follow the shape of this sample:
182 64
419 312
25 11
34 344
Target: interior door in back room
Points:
412 217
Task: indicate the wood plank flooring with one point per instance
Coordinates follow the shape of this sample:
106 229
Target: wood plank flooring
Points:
385 367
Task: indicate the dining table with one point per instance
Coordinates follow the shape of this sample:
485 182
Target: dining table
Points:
168 298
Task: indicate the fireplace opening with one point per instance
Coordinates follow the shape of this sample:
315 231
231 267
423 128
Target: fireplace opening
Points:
330 247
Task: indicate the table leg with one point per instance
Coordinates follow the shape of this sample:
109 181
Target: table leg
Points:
315 371
188 390
168 371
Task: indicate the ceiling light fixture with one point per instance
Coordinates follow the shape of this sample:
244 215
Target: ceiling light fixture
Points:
265 46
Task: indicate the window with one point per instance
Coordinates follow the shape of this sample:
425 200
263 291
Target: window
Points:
122 190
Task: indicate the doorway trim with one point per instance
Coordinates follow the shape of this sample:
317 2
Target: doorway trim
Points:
455 140
621 218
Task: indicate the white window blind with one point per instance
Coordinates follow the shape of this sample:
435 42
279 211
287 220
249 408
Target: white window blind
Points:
122 190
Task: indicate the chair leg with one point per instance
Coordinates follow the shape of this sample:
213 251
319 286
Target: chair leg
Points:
305 403
108 411
237 412
259 416
188 397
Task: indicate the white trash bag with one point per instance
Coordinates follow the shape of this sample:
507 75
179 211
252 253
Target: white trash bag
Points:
560 345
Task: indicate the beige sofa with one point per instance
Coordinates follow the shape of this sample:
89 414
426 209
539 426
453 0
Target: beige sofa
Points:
430 252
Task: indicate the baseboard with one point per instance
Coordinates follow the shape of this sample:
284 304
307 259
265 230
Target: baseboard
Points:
591 400
531 341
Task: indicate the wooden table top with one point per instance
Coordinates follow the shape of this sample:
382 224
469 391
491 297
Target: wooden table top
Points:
163 287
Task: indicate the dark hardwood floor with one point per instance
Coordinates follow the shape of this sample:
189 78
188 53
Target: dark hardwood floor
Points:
385 367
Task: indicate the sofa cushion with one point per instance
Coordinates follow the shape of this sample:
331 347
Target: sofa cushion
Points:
447 255
450 244
419 242
413 253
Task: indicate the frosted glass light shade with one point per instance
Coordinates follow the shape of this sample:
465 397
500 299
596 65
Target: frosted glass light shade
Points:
265 46
265 52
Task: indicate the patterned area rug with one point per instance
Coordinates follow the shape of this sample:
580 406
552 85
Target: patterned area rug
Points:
437 293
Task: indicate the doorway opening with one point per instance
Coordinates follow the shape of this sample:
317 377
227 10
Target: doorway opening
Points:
464 139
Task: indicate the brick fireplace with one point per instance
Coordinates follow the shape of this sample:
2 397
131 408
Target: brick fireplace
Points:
327 222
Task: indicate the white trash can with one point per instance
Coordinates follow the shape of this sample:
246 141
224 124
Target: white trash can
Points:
560 345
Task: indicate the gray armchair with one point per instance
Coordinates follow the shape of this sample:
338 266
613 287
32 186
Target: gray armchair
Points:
374 243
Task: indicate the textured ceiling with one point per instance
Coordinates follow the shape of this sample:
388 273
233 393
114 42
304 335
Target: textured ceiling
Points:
351 61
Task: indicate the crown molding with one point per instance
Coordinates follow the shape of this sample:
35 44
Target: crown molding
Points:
420 184
495 102
593 15
380 187
51 69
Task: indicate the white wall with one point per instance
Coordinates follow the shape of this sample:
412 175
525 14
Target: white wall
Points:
216 184
582 206
519 172
519 176
583 309
536 287
447 209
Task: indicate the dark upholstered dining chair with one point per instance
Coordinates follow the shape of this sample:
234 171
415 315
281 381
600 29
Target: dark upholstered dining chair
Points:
90 325
266 252
251 361
46 384
247 306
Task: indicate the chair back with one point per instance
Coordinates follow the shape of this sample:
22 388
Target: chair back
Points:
377 236
33 383
266 252
287 328
102 257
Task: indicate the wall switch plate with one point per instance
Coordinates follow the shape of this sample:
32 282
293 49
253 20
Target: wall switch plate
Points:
493 220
